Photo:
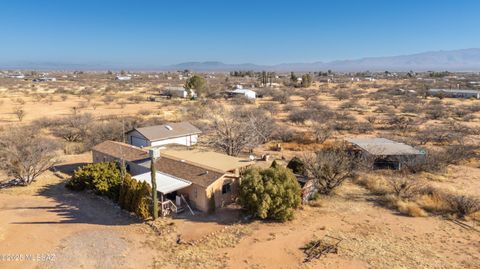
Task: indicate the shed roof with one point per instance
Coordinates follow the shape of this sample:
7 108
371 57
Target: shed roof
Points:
165 183
166 131
383 146
455 91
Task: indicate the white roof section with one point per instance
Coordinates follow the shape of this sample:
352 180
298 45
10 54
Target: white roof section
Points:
244 91
383 146
165 183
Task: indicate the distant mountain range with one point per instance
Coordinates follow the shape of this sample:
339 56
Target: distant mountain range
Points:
454 60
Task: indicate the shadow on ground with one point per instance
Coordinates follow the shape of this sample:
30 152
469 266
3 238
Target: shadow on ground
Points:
67 168
79 207
225 216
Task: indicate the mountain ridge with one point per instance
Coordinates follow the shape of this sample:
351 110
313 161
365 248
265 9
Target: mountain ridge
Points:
451 60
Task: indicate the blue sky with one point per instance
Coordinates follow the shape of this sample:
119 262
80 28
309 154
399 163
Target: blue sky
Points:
142 33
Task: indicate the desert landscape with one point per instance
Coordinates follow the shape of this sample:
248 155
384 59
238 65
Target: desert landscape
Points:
239 134
376 223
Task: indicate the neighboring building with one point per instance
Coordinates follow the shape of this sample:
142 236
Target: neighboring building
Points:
44 79
199 178
387 153
243 92
123 78
182 133
179 92
455 93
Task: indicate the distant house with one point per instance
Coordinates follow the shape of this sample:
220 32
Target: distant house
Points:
244 92
203 179
386 153
44 79
123 78
455 93
182 133
178 92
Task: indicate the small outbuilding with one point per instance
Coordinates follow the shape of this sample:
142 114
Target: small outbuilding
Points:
178 92
249 94
386 153
455 93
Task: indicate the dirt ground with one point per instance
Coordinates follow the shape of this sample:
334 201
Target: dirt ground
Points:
81 230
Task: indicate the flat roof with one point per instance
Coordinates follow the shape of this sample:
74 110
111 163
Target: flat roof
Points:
165 183
210 159
383 146
455 90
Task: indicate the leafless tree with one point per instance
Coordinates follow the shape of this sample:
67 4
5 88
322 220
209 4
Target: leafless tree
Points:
329 168
74 128
322 132
235 130
25 155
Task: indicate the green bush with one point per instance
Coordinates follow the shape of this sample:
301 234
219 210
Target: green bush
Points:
296 165
103 178
143 201
271 193
135 197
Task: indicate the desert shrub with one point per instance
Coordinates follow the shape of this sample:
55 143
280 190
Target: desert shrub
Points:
136 99
284 134
296 165
271 193
341 95
362 128
300 116
145 112
411 108
462 205
436 111
322 132
330 167
405 188
407 208
103 178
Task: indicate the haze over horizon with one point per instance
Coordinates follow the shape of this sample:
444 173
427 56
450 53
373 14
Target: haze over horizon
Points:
149 33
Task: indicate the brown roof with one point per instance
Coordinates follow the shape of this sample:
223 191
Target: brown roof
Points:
199 175
121 150
171 130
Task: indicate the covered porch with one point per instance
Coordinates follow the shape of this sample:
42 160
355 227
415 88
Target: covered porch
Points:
167 186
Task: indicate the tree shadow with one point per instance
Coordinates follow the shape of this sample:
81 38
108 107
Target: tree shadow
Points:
80 207
68 168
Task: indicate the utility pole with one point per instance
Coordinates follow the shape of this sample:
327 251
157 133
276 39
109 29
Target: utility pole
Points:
154 154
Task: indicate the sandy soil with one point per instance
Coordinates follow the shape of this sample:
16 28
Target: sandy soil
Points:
86 231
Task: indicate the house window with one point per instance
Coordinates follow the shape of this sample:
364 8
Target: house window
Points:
195 192
226 188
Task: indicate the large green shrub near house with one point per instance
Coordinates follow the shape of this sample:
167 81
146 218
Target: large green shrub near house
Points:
103 178
135 197
271 193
